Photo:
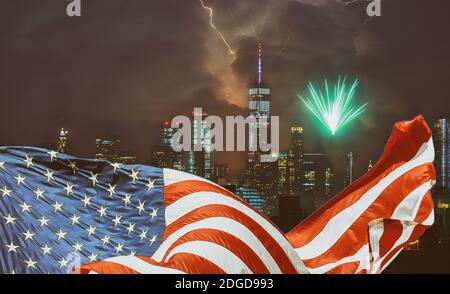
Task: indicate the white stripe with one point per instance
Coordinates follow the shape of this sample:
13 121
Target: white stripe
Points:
193 201
220 256
141 266
407 209
376 231
229 226
341 222
362 256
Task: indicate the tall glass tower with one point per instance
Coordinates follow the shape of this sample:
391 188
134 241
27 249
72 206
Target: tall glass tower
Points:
441 146
62 141
200 162
261 174
348 169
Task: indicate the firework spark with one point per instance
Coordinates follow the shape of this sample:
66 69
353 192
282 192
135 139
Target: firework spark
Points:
213 26
334 109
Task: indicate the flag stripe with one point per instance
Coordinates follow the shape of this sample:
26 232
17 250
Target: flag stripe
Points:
221 256
225 225
252 234
228 241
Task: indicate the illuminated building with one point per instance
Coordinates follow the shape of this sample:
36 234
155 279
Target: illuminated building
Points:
442 150
107 149
318 178
252 196
62 141
295 162
163 155
348 169
413 246
289 180
127 158
283 174
199 162
261 174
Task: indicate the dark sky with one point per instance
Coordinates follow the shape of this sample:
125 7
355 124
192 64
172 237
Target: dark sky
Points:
125 65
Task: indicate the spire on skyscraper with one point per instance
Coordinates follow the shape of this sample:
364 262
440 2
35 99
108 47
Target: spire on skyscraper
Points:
259 63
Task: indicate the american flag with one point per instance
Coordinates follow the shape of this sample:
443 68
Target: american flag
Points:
59 213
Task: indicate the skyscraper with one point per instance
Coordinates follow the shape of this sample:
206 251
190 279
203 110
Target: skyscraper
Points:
63 141
107 149
442 150
253 197
348 168
283 176
163 155
318 179
258 173
200 162
295 162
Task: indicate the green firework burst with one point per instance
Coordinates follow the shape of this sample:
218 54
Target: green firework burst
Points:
334 108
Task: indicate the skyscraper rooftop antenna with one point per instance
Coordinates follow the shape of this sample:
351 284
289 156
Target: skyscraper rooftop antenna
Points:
259 63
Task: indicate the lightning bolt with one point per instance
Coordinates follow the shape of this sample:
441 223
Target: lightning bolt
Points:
350 2
282 48
213 26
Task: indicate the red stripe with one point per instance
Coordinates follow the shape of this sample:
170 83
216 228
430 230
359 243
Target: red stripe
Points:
194 264
345 268
392 231
228 241
208 211
107 267
174 192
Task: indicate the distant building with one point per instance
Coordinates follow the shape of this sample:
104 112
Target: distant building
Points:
348 169
295 162
127 158
289 181
107 149
283 176
318 178
163 155
200 162
252 196
63 138
442 150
